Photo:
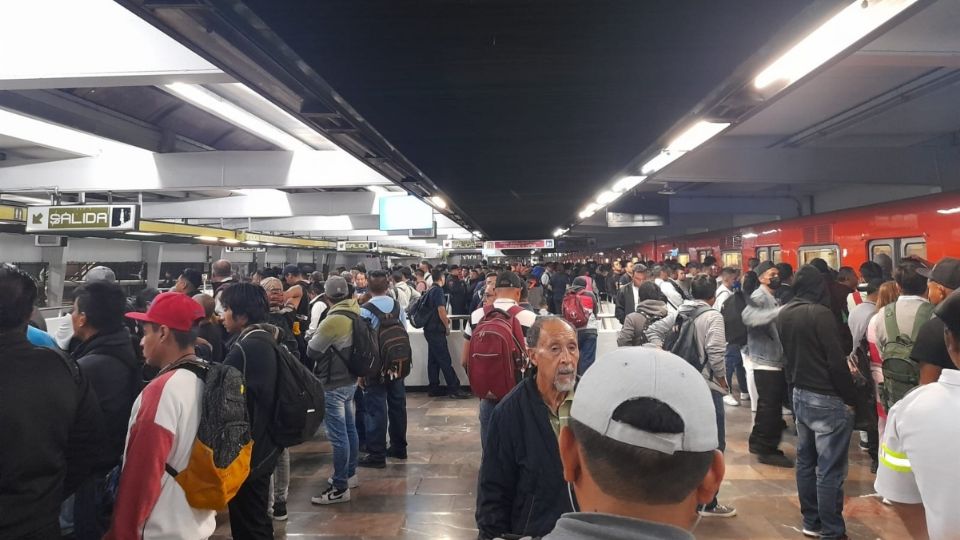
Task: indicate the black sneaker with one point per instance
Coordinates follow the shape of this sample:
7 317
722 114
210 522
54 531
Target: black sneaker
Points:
874 466
396 454
437 393
280 511
460 394
776 460
369 462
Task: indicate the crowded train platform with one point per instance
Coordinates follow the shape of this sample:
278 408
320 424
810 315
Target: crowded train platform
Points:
479 270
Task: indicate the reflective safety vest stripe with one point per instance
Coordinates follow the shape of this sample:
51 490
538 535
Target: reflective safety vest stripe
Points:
895 461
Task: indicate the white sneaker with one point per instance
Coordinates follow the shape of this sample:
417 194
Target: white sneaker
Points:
744 396
332 496
352 482
811 534
731 401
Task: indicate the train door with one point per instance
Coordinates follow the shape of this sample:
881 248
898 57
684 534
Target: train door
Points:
829 253
769 253
703 254
898 248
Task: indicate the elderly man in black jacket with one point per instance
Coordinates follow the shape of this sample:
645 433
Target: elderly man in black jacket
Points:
521 490
823 398
49 419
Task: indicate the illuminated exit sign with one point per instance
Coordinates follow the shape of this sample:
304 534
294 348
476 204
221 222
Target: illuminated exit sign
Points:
105 217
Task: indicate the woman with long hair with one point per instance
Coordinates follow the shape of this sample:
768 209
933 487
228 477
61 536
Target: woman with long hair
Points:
887 294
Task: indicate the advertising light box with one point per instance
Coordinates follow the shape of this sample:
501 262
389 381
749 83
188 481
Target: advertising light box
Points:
404 213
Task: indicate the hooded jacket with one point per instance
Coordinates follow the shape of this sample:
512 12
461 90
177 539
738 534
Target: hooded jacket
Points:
711 339
763 340
638 327
815 359
596 526
108 361
335 332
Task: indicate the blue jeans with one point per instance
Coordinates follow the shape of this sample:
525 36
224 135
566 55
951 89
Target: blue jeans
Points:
824 425
734 362
587 343
721 434
486 411
386 406
342 432
438 359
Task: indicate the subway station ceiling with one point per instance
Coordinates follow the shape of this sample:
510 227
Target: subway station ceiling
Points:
518 114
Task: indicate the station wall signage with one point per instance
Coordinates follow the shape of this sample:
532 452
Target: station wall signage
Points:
103 217
356 246
462 244
518 244
619 219
244 249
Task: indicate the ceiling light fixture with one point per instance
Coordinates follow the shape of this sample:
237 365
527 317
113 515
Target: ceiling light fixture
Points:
559 232
855 22
251 242
207 238
661 160
696 135
231 241
439 202
55 136
139 233
627 183
212 103
608 197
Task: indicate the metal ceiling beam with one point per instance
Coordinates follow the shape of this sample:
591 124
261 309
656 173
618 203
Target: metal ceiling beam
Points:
333 222
265 204
193 171
929 166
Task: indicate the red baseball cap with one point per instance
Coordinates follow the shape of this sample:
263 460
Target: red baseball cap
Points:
172 309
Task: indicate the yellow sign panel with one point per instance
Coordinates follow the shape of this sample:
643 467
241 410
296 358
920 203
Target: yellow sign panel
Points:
111 217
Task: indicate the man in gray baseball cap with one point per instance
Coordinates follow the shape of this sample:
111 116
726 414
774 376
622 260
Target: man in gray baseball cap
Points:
640 449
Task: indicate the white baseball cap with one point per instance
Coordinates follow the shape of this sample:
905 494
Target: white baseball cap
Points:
644 372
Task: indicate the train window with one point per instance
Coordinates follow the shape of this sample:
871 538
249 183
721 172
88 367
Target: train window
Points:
881 247
683 258
831 254
913 247
703 254
763 254
775 256
732 258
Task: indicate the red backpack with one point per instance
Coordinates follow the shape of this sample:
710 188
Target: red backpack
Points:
497 356
574 310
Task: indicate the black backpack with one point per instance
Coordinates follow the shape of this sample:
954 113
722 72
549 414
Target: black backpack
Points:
733 327
393 343
364 359
684 341
420 313
299 406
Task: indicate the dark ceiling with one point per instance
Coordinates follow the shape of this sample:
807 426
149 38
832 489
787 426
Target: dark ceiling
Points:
521 111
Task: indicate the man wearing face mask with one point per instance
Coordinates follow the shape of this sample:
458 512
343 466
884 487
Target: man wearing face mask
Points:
639 450
766 353
521 489
930 349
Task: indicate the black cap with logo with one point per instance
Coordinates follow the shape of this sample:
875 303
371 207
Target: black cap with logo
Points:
946 273
509 280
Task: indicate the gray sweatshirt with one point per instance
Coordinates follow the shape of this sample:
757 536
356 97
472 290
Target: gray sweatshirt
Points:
636 331
763 340
592 526
712 340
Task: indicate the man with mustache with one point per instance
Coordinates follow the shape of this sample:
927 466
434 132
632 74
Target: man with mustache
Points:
521 488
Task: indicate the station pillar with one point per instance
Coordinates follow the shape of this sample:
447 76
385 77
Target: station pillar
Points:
152 254
290 256
260 259
56 259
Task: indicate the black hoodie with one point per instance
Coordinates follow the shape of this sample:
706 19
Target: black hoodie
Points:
108 361
814 358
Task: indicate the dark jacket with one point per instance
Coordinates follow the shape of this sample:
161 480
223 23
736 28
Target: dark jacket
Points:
521 488
459 296
52 430
559 282
111 366
213 334
814 358
624 302
260 373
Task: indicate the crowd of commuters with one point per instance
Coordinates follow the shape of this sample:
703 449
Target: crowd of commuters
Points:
100 417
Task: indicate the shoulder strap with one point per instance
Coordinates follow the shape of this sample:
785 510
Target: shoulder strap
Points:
924 313
890 321
199 370
857 299
369 306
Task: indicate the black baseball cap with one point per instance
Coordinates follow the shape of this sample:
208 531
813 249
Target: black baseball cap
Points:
949 312
291 270
508 280
946 272
193 276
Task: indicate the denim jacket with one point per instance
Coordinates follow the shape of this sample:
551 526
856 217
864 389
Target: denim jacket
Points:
763 340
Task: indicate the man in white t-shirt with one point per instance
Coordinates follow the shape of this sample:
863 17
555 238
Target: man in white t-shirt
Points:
163 426
918 471
508 286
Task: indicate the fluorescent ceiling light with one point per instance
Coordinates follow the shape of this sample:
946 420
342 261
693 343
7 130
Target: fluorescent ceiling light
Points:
608 197
696 135
627 183
24 199
559 232
55 136
207 238
852 24
138 233
478 234
217 106
251 242
231 241
661 160
439 202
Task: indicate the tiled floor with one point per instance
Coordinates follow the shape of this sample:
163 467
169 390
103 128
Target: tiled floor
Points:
431 495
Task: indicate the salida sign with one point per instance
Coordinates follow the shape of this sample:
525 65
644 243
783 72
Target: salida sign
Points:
109 217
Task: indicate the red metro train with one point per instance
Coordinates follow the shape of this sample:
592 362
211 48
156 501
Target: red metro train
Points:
927 227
